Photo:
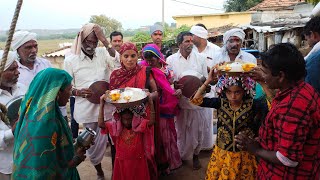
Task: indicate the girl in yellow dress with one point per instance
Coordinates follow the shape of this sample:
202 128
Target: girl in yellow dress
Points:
237 112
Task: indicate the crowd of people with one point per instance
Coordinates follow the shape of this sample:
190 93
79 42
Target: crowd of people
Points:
268 120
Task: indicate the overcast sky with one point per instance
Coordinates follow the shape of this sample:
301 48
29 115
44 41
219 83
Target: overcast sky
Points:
62 14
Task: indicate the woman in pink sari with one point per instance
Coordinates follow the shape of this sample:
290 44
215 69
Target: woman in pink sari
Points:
167 153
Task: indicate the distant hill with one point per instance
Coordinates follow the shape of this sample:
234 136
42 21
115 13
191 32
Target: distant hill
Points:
47 33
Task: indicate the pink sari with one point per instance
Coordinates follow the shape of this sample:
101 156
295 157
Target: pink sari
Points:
167 153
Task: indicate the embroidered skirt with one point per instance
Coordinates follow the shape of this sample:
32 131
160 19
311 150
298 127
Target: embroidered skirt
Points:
227 165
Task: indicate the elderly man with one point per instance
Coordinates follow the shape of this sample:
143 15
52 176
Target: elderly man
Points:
231 49
156 32
289 137
116 40
208 50
26 46
190 120
88 64
312 35
9 89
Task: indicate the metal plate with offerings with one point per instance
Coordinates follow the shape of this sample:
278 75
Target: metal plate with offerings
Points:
237 68
13 107
126 97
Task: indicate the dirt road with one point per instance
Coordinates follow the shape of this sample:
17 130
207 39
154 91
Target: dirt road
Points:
87 171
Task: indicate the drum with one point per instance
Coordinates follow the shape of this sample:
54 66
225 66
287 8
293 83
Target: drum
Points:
98 88
190 85
13 107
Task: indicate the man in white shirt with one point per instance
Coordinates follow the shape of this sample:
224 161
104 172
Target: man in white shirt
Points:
25 44
208 50
190 120
116 41
203 46
231 50
88 64
9 89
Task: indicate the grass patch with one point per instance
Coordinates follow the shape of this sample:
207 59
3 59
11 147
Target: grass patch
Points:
46 46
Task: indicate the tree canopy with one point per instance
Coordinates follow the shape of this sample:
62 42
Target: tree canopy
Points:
107 24
240 5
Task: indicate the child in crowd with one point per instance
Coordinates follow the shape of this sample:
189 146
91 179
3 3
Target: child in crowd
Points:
237 112
131 133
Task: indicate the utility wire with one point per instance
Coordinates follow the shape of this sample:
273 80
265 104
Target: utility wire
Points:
197 5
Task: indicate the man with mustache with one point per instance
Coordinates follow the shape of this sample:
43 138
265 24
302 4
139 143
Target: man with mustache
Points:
231 49
87 64
116 40
190 120
156 32
9 89
25 44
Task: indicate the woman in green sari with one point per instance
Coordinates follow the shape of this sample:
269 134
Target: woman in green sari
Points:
43 146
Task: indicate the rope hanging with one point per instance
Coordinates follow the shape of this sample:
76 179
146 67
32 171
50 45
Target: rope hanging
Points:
3 109
10 35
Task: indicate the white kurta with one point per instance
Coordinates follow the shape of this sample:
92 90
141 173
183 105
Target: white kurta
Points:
223 56
27 75
6 135
210 52
191 119
86 71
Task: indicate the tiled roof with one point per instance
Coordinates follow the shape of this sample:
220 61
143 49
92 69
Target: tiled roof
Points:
275 4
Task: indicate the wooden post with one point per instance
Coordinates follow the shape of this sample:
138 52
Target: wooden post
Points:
262 42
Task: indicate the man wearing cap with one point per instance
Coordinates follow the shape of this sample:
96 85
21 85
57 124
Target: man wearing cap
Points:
231 50
156 32
9 89
25 44
190 120
88 64
208 50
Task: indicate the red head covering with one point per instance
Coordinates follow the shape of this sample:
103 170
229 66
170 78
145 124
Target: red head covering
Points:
122 75
128 46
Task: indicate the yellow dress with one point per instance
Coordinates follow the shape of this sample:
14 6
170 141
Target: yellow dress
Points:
227 162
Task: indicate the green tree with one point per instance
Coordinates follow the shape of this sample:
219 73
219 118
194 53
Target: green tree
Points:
141 37
107 24
240 5
314 2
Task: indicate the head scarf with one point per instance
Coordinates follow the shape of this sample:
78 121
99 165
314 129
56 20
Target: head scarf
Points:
122 75
154 49
43 140
199 31
84 32
155 28
12 57
246 83
127 46
168 100
21 37
233 32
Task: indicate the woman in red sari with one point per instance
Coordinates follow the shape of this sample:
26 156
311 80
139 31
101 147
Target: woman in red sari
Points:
133 75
